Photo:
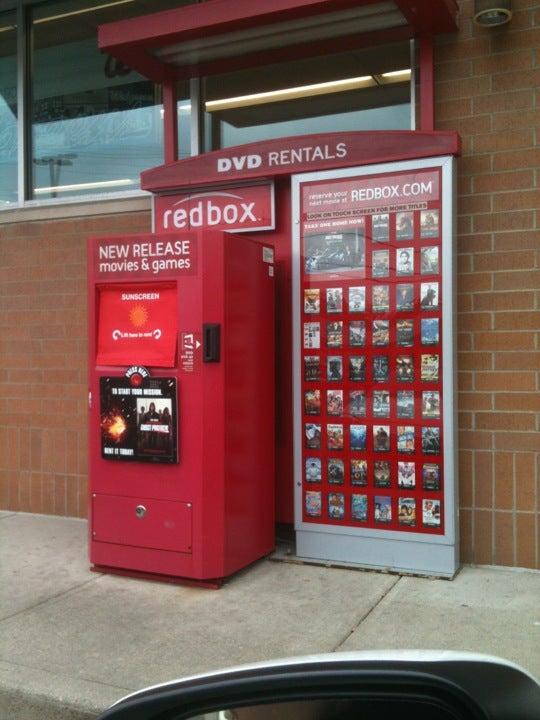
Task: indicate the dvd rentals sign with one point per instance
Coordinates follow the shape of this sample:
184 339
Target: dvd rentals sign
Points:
238 209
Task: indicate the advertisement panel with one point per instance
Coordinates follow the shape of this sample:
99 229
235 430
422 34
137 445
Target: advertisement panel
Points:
374 363
144 257
138 420
137 323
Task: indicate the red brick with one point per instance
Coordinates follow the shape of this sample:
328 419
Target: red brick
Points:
483 480
60 496
465 420
496 301
518 362
475 203
516 281
504 181
474 282
527 541
48 488
524 239
519 381
503 341
466 537
475 440
495 222
472 322
483 537
23 496
504 481
516 160
465 381
499 142
474 164
525 489
513 421
517 200
520 402
504 261
464 303
496 102
465 478
444 71
504 539
524 320
475 361
504 121
515 441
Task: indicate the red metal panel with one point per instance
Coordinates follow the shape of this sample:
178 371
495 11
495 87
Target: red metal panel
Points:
135 41
283 54
250 399
214 17
305 153
427 16
142 522
427 99
170 132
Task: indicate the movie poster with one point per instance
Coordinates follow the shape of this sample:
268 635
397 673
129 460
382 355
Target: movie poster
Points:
139 422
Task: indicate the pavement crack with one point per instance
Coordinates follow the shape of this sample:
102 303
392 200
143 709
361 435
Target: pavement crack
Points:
48 599
366 615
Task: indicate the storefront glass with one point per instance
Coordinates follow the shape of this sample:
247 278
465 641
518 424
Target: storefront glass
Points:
91 125
96 124
8 108
360 90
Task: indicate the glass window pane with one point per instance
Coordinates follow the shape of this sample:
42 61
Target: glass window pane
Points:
8 108
96 124
360 90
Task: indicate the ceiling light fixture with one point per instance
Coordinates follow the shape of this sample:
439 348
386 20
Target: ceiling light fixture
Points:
84 186
304 91
395 76
83 11
492 13
293 93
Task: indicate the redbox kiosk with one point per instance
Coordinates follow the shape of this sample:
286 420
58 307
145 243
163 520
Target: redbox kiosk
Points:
181 403
362 225
364 238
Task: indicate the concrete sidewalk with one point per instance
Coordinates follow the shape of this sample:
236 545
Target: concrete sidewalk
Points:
81 640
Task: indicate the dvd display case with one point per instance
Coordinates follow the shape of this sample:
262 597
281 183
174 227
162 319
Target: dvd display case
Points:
374 366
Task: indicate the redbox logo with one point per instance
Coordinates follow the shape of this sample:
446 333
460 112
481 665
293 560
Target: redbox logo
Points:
249 209
209 212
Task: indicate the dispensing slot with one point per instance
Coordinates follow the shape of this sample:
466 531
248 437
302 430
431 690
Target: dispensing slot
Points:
211 342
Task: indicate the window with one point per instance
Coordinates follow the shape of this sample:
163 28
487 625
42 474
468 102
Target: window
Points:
8 108
362 90
95 123
91 124
76 122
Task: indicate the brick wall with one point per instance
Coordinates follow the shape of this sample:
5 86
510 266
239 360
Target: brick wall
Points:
43 350
487 90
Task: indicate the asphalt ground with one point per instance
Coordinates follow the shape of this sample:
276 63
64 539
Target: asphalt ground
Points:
73 641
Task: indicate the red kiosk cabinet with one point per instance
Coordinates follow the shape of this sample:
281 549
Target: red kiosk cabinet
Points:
181 396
